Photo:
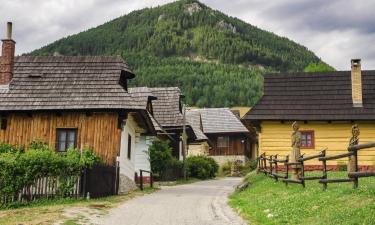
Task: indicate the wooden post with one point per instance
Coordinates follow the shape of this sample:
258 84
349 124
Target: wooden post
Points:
355 158
324 170
151 180
141 179
276 170
286 169
302 171
271 165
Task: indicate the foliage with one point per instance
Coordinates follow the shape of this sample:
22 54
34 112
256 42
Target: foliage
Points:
7 148
19 169
269 202
243 169
167 46
201 167
318 67
161 158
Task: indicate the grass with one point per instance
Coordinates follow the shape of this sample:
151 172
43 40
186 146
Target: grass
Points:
49 211
269 202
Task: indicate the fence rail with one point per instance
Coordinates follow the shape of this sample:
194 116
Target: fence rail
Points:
353 176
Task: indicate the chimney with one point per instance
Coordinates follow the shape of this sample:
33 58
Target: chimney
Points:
356 83
7 57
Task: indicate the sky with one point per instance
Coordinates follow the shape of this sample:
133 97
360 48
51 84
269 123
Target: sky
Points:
335 30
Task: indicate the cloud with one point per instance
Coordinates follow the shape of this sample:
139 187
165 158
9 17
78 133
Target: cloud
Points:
336 30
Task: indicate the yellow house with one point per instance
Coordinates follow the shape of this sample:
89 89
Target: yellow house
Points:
326 105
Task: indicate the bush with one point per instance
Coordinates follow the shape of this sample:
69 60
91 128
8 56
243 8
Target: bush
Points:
19 169
243 169
201 167
163 164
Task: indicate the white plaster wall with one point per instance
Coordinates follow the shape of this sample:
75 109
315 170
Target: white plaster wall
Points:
127 167
141 155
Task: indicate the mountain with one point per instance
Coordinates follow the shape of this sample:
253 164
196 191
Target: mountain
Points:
215 59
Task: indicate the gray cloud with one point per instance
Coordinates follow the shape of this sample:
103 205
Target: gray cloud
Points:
335 30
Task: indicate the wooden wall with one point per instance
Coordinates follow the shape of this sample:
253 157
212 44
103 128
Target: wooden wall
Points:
98 131
274 138
236 146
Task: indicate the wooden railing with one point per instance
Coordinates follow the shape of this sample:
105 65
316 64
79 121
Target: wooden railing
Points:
269 166
141 178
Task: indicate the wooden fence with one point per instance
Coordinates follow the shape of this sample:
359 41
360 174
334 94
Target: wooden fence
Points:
99 181
269 165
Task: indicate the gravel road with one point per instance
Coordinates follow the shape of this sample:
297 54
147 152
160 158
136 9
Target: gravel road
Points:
201 203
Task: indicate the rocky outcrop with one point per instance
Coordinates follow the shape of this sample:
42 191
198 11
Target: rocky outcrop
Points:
192 8
161 17
222 25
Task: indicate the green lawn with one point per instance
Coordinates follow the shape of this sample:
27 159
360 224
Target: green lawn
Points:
270 202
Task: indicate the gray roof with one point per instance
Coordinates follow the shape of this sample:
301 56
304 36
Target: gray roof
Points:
68 83
219 120
314 96
166 108
143 94
194 119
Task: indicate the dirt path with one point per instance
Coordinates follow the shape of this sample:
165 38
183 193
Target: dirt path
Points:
201 203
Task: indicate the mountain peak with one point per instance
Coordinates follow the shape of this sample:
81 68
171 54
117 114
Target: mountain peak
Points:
188 44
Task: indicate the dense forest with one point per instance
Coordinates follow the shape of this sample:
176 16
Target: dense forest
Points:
215 59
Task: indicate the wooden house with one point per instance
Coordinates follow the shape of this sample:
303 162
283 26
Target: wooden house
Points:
326 104
167 110
228 137
72 102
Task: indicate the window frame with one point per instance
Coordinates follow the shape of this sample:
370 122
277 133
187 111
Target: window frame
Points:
312 133
129 155
66 130
227 141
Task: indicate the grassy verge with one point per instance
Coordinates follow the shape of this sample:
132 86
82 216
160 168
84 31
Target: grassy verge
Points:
270 202
47 212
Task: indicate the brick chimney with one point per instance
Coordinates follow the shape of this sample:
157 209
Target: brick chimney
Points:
7 57
356 83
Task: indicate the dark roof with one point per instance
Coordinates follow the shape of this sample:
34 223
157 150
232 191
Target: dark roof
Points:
219 120
143 94
68 83
167 107
195 120
313 96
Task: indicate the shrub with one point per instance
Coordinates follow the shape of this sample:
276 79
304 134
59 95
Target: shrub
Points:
19 169
161 158
201 167
243 169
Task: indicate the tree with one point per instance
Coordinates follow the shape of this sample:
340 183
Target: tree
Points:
319 67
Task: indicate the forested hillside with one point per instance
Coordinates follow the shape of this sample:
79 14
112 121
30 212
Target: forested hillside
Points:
215 59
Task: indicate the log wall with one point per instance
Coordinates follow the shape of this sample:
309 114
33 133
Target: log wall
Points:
98 131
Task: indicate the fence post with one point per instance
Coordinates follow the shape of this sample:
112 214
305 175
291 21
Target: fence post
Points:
271 165
303 171
356 169
324 170
276 170
286 169
151 180
141 179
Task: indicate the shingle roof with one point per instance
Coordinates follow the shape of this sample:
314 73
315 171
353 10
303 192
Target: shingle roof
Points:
219 120
314 96
143 94
194 119
167 106
68 82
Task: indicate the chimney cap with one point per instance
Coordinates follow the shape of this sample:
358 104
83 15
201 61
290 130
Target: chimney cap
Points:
9 31
356 61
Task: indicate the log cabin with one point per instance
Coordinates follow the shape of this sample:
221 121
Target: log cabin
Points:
326 105
227 137
167 110
72 102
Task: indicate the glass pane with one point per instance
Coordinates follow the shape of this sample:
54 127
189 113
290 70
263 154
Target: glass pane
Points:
72 136
303 140
70 144
62 136
62 146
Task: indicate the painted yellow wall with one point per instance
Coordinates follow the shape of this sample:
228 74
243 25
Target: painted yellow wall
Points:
274 138
198 149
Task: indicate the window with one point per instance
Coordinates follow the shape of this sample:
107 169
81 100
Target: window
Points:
223 142
129 146
66 138
307 139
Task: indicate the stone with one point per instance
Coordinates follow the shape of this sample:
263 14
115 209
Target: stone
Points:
126 185
192 8
222 25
